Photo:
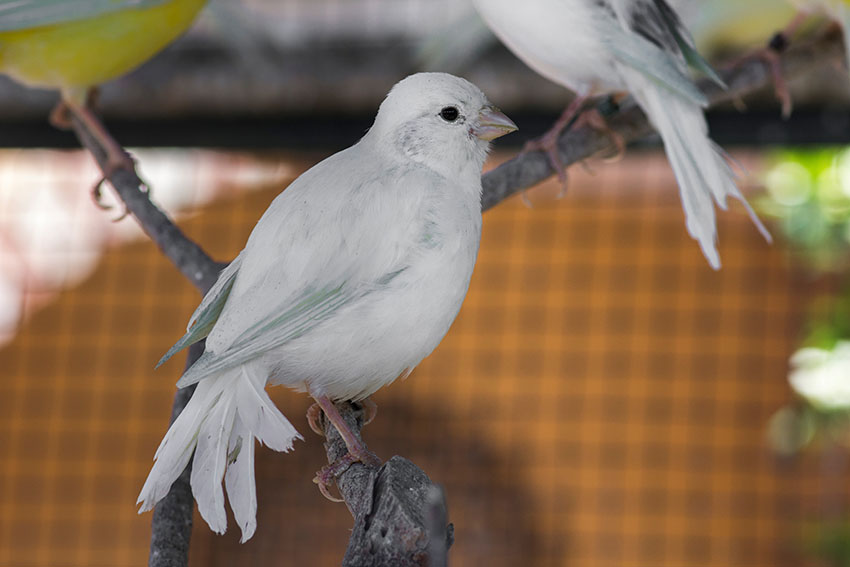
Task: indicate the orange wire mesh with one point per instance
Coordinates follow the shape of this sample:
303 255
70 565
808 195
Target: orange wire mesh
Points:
601 400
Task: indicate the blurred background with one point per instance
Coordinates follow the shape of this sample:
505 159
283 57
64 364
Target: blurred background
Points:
604 397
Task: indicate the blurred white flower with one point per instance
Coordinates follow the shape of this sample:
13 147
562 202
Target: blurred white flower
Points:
822 376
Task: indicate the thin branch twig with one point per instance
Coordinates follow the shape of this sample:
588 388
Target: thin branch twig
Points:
399 496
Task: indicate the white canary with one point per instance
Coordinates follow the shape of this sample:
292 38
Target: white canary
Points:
596 47
351 277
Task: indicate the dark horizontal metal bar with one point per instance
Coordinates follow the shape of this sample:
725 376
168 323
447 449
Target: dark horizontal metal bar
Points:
756 128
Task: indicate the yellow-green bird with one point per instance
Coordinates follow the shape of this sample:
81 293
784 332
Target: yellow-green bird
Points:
75 45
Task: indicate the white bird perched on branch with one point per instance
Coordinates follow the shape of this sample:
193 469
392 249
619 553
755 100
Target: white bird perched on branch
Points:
351 277
596 47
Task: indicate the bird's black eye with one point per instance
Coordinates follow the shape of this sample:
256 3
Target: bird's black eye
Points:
449 113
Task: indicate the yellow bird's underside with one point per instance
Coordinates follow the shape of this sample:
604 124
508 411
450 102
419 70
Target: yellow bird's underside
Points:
77 55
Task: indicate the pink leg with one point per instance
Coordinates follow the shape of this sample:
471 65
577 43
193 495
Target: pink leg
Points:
770 55
548 143
357 450
594 119
314 415
117 158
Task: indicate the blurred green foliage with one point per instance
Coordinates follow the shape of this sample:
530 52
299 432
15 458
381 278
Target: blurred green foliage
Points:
808 192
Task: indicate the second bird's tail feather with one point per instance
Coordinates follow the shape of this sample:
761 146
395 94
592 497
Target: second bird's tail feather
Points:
700 166
219 424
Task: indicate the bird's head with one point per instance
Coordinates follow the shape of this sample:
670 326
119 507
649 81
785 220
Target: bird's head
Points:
441 121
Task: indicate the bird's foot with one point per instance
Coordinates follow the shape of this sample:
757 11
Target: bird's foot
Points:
329 473
548 144
574 117
594 119
315 415
60 116
314 419
117 158
324 408
370 410
117 161
770 55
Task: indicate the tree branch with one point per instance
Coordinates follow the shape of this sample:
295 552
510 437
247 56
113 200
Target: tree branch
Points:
578 144
186 255
399 514
171 526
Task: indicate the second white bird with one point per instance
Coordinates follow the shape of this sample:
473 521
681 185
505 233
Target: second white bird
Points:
596 47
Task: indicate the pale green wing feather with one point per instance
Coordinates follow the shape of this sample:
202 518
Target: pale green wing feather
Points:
653 62
686 43
24 14
276 329
203 319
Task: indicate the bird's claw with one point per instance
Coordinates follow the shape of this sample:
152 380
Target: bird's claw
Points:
370 410
115 163
548 144
314 419
771 56
324 409
594 119
60 116
315 415
573 117
329 473
97 197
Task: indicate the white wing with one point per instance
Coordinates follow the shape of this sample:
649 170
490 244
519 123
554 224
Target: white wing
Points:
329 240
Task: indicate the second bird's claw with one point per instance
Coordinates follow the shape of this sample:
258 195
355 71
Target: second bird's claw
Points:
594 119
548 144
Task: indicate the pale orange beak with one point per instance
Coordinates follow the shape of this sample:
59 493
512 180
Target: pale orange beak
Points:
492 124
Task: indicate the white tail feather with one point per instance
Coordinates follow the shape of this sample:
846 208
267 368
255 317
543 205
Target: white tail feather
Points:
219 424
239 479
703 174
210 461
260 415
